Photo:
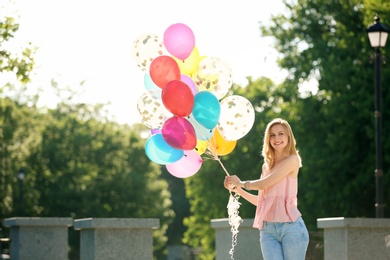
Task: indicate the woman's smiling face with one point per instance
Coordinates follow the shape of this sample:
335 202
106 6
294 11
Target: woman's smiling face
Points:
278 137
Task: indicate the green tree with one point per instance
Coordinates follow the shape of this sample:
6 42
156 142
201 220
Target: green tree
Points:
180 205
18 64
87 168
78 163
334 127
14 116
327 41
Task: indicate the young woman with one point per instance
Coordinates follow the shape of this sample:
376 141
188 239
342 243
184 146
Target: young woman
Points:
283 234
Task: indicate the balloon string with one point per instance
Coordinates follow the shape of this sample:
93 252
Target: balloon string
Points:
223 167
213 151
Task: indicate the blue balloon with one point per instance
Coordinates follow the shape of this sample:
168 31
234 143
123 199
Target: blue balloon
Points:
207 109
148 82
160 152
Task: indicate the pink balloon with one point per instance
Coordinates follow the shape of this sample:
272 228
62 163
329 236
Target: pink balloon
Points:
179 40
190 83
179 133
155 131
187 166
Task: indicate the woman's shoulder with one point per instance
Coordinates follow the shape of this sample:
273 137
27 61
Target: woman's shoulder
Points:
293 159
294 163
296 159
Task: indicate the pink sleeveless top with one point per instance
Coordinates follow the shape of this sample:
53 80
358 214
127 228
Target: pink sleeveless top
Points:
278 203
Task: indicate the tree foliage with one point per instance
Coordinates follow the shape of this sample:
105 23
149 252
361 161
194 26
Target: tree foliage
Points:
20 64
77 166
14 117
327 40
334 126
78 163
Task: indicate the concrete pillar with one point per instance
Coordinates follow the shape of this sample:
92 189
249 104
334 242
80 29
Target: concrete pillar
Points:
38 238
248 240
355 238
112 238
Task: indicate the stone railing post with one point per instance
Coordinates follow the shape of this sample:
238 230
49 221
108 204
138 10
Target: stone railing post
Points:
112 238
355 238
38 238
248 243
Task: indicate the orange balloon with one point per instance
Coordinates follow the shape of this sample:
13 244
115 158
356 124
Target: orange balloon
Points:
219 145
164 69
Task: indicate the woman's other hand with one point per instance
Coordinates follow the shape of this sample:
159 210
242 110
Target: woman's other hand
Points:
234 180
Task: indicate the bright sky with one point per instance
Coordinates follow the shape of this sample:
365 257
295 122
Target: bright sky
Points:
92 40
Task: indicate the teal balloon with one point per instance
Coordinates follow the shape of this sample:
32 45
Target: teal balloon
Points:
160 152
148 82
207 109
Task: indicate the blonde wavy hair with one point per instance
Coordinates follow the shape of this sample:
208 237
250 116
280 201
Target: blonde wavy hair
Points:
268 151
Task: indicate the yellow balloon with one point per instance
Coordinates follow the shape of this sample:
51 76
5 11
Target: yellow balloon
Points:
202 58
201 146
220 145
189 65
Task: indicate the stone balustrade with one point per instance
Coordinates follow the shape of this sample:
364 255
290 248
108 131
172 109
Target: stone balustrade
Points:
355 238
100 238
38 238
110 238
127 238
248 243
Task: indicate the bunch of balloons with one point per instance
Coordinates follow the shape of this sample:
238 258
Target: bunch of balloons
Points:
184 102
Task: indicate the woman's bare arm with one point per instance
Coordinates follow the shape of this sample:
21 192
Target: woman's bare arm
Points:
289 167
251 198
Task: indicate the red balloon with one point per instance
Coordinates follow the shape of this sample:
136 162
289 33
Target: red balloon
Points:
178 98
164 69
179 133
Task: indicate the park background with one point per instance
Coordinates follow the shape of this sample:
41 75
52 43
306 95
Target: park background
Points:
79 161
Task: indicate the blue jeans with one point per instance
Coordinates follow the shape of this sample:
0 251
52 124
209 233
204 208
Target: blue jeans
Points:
284 240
